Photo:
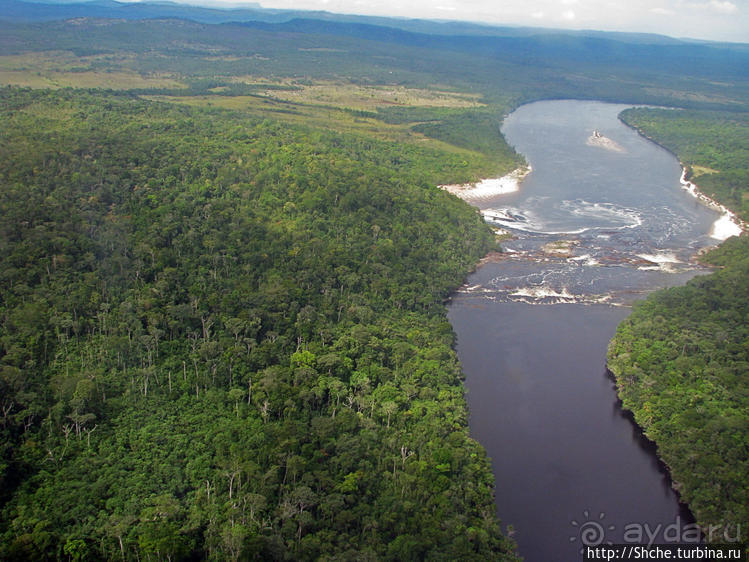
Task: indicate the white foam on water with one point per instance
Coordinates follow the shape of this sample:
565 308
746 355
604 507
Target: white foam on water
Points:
621 217
540 295
544 295
586 259
613 217
662 261
510 217
725 227
525 221
660 257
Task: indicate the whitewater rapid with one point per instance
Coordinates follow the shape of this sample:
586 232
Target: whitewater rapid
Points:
599 217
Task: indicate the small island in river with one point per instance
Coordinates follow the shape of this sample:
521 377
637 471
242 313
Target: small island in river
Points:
597 139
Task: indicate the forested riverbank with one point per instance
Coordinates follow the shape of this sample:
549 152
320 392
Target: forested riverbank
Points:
256 365
681 359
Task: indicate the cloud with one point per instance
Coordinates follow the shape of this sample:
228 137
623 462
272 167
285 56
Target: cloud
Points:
662 12
716 6
723 20
723 6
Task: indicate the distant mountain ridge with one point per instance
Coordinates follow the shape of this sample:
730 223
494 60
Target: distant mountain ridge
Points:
689 65
524 45
19 10
545 47
14 10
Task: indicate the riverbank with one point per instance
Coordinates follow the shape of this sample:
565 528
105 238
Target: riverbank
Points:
728 224
688 395
489 188
679 358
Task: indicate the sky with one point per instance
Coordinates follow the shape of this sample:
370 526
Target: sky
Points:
719 20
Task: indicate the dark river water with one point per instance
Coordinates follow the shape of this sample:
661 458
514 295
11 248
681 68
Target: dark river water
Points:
596 226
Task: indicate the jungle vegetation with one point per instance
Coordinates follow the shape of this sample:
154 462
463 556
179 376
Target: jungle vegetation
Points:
223 265
224 338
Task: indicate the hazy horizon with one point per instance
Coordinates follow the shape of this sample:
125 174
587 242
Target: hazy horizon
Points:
714 20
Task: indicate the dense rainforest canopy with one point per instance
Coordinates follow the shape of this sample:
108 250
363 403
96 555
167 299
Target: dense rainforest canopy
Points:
224 338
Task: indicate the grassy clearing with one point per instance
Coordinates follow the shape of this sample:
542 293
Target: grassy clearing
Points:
60 69
25 79
55 69
698 171
45 61
328 117
108 80
337 105
369 98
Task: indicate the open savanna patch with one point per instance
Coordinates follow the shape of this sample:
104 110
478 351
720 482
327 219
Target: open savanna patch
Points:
339 119
367 97
61 69
698 171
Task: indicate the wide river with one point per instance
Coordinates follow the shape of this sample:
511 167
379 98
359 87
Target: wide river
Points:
599 223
